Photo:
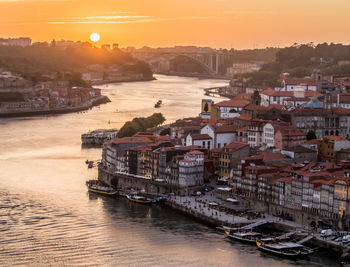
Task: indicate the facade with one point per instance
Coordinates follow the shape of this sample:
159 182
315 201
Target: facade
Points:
322 122
191 169
230 155
230 108
329 146
201 140
288 136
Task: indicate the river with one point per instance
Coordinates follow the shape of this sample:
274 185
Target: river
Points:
48 218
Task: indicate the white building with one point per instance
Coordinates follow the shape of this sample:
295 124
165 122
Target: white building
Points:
220 135
255 132
269 130
231 108
289 84
271 96
201 140
191 169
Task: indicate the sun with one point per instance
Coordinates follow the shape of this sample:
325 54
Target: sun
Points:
94 37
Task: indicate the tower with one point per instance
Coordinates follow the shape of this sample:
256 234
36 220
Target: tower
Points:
317 75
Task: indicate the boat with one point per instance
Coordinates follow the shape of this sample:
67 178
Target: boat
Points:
139 199
94 186
284 249
157 105
246 237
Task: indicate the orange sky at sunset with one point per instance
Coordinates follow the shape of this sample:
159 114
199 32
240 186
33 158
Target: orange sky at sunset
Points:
216 23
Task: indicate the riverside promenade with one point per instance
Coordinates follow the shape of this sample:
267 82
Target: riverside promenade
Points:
205 209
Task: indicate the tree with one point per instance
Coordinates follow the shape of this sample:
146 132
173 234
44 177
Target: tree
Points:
141 124
310 135
165 131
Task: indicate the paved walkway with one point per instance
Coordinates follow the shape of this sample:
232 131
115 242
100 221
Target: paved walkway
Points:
201 205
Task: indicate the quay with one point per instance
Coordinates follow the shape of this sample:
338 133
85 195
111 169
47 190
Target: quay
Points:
224 91
211 209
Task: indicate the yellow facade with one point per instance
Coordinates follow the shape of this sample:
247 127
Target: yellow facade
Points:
225 162
341 193
326 151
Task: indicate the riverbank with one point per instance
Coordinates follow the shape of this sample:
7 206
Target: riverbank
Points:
196 75
125 79
26 113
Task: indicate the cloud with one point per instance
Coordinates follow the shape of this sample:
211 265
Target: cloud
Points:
126 19
115 19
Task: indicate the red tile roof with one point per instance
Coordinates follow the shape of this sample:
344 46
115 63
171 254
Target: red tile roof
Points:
233 103
271 92
131 140
234 146
243 96
335 138
299 81
225 129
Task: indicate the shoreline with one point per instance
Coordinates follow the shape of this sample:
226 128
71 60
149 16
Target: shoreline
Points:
93 102
124 80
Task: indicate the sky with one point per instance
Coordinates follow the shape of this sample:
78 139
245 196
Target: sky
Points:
235 24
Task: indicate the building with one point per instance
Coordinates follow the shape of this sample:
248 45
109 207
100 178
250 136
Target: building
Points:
322 122
288 136
300 153
230 108
201 140
191 169
230 155
221 135
329 146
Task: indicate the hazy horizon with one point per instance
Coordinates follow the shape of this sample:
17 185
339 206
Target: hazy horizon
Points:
156 23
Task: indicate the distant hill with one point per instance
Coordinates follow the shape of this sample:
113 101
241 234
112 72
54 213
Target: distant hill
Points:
300 59
41 61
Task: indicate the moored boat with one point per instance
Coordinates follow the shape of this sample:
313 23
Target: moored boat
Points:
95 187
139 199
247 237
284 249
157 105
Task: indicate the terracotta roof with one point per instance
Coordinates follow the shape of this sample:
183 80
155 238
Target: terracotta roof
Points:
289 131
309 112
271 92
271 156
124 140
244 117
195 152
303 99
299 81
254 107
201 137
216 150
225 129
310 93
335 138
243 96
341 111
233 103
234 146
300 149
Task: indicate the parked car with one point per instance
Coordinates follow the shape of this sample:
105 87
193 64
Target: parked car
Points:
327 232
338 239
346 239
